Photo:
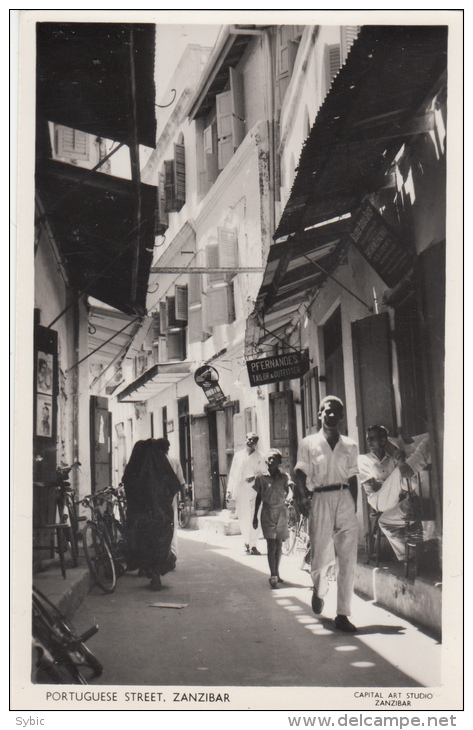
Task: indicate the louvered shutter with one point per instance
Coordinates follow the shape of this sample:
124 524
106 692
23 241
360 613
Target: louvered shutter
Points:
227 247
213 261
181 302
72 144
156 328
179 176
171 313
195 288
163 319
169 186
208 141
230 118
333 62
163 221
348 35
175 344
218 309
194 324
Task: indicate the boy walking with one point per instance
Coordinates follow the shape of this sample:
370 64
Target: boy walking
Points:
272 489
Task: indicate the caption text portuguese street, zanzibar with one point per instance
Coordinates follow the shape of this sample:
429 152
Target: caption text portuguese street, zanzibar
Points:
91 696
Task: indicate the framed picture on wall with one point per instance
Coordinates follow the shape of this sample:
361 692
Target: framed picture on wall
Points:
44 415
44 373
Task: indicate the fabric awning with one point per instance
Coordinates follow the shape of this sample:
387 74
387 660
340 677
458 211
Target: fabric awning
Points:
154 380
91 216
88 74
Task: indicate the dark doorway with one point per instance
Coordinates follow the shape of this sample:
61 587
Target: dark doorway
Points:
334 368
100 447
184 438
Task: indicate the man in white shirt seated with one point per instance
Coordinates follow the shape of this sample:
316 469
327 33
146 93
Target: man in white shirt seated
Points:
391 480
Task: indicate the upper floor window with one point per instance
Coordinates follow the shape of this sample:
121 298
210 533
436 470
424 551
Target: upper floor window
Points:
287 45
221 132
71 144
336 53
171 187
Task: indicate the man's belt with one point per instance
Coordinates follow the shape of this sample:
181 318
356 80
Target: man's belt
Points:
330 488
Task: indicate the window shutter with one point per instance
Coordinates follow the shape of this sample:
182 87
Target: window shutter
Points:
171 313
194 325
218 309
163 319
175 344
227 247
213 261
181 302
195 289
156 328
349 34
238 107
230 118
333 63
208 141
163 221
169 186
71 143
179 175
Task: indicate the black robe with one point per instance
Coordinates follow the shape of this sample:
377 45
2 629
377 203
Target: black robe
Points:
150 486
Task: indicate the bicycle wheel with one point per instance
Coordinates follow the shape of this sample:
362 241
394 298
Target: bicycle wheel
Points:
288 545
46 670
61 652
118 543
99 558
183 517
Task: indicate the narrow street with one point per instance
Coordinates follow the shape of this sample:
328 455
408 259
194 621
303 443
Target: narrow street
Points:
236 631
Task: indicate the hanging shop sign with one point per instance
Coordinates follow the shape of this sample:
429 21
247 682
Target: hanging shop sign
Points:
206 378
275 369
379 245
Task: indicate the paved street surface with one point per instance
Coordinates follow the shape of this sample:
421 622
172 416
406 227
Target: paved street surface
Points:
236 631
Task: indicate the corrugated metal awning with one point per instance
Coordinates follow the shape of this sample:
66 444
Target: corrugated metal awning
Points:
91 216
368 114
84 78
365 118
153 381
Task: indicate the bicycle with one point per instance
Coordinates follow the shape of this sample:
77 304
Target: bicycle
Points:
298 540
103 539
183 509
66 527
59 654
67 509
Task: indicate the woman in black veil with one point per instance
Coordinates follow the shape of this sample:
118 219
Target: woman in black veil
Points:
150 485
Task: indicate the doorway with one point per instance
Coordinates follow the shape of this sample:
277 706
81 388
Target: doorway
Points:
334 366
184 438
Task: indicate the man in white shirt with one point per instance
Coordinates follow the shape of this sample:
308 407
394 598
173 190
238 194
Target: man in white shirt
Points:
325 473
246 465
390 482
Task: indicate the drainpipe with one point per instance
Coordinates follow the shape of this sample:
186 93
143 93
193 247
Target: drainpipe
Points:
264 34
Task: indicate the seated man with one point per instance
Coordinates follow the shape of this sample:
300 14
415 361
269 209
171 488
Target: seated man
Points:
390 481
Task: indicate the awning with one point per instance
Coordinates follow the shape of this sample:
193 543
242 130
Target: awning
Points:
368 114
293 268
153 381
111 337
88 74
91 216
365 118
